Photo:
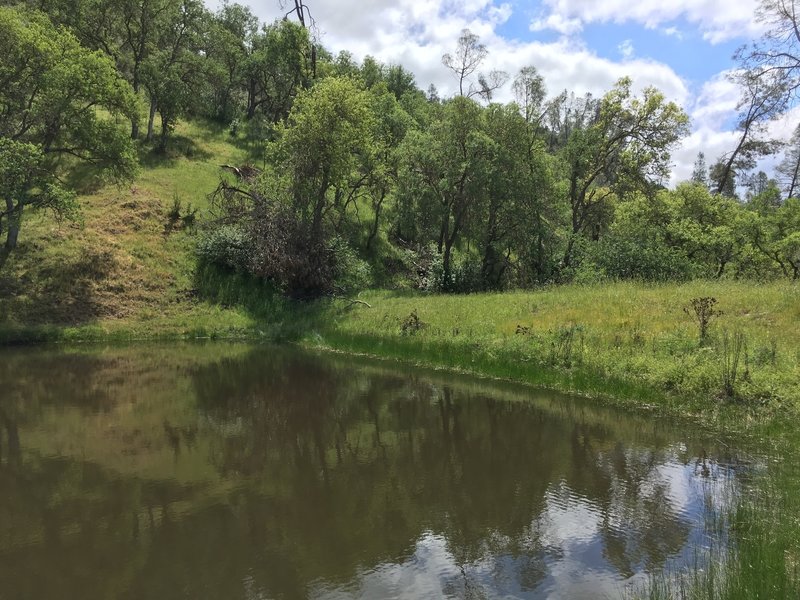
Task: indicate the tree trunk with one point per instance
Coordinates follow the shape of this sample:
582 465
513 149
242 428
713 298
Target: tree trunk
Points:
443 230
135 119
162 141
14 216
251 100
446 260
376 221
151 121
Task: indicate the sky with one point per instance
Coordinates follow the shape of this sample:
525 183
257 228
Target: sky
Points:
682 47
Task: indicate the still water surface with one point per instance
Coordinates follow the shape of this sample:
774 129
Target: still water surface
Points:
237 472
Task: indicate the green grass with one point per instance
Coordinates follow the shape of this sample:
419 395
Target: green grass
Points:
760 556
122 272
628 341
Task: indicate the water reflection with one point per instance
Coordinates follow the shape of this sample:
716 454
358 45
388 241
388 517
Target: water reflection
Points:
226 471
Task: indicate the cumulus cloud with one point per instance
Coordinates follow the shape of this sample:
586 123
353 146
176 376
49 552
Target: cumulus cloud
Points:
719 20
558 23
673 32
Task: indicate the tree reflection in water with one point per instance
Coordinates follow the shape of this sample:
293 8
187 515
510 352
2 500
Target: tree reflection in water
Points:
224 471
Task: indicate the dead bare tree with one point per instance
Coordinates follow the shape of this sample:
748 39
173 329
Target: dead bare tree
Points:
469 55
307 21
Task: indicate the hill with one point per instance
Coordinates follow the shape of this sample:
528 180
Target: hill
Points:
127 268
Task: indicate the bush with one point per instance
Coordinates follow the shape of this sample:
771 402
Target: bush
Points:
226 246
465 274
352 273
287 252
626 258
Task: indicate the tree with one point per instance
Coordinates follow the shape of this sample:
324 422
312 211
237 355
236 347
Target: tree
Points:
763 99
700 170
59 100
174 73
328 132
626 147
140 22
277 70
775 57
469 55
517 214
378 169
776 234
789 168
567 113
530 92
723 181
444 174
228 48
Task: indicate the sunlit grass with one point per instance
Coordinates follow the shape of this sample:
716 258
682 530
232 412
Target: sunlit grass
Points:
602 337
121 271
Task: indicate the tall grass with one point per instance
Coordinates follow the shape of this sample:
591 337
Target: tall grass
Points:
759 558
622 339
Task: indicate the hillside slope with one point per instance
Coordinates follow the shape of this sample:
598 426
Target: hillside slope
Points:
126 266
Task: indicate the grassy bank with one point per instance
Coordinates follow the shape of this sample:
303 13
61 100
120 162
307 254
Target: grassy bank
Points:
630 341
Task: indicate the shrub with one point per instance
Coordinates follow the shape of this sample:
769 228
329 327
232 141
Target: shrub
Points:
702 310
226 246
287 252
351 273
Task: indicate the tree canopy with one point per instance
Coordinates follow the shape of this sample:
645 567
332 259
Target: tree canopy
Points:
59 104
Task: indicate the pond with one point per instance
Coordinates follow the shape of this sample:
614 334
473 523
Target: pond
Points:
234 471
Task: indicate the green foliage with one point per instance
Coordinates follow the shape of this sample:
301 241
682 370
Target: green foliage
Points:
277 68
734 353
617 257
626 147
226 246
352 273
59 102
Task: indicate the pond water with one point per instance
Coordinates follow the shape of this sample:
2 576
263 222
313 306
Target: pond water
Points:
232 471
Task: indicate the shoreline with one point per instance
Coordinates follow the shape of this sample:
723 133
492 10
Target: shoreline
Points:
434 355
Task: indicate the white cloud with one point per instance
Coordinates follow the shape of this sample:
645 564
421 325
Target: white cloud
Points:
626 49
558 23
719 20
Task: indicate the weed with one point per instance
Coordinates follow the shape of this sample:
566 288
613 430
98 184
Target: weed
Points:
733 349
702 310
564 349
767 355
412 324
174 213
189 218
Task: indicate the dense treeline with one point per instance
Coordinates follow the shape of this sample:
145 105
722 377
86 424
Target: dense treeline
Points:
368 180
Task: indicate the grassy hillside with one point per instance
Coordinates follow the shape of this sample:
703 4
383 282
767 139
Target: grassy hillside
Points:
123 270
128 271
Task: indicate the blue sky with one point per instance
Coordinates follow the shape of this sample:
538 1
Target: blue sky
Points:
682 47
